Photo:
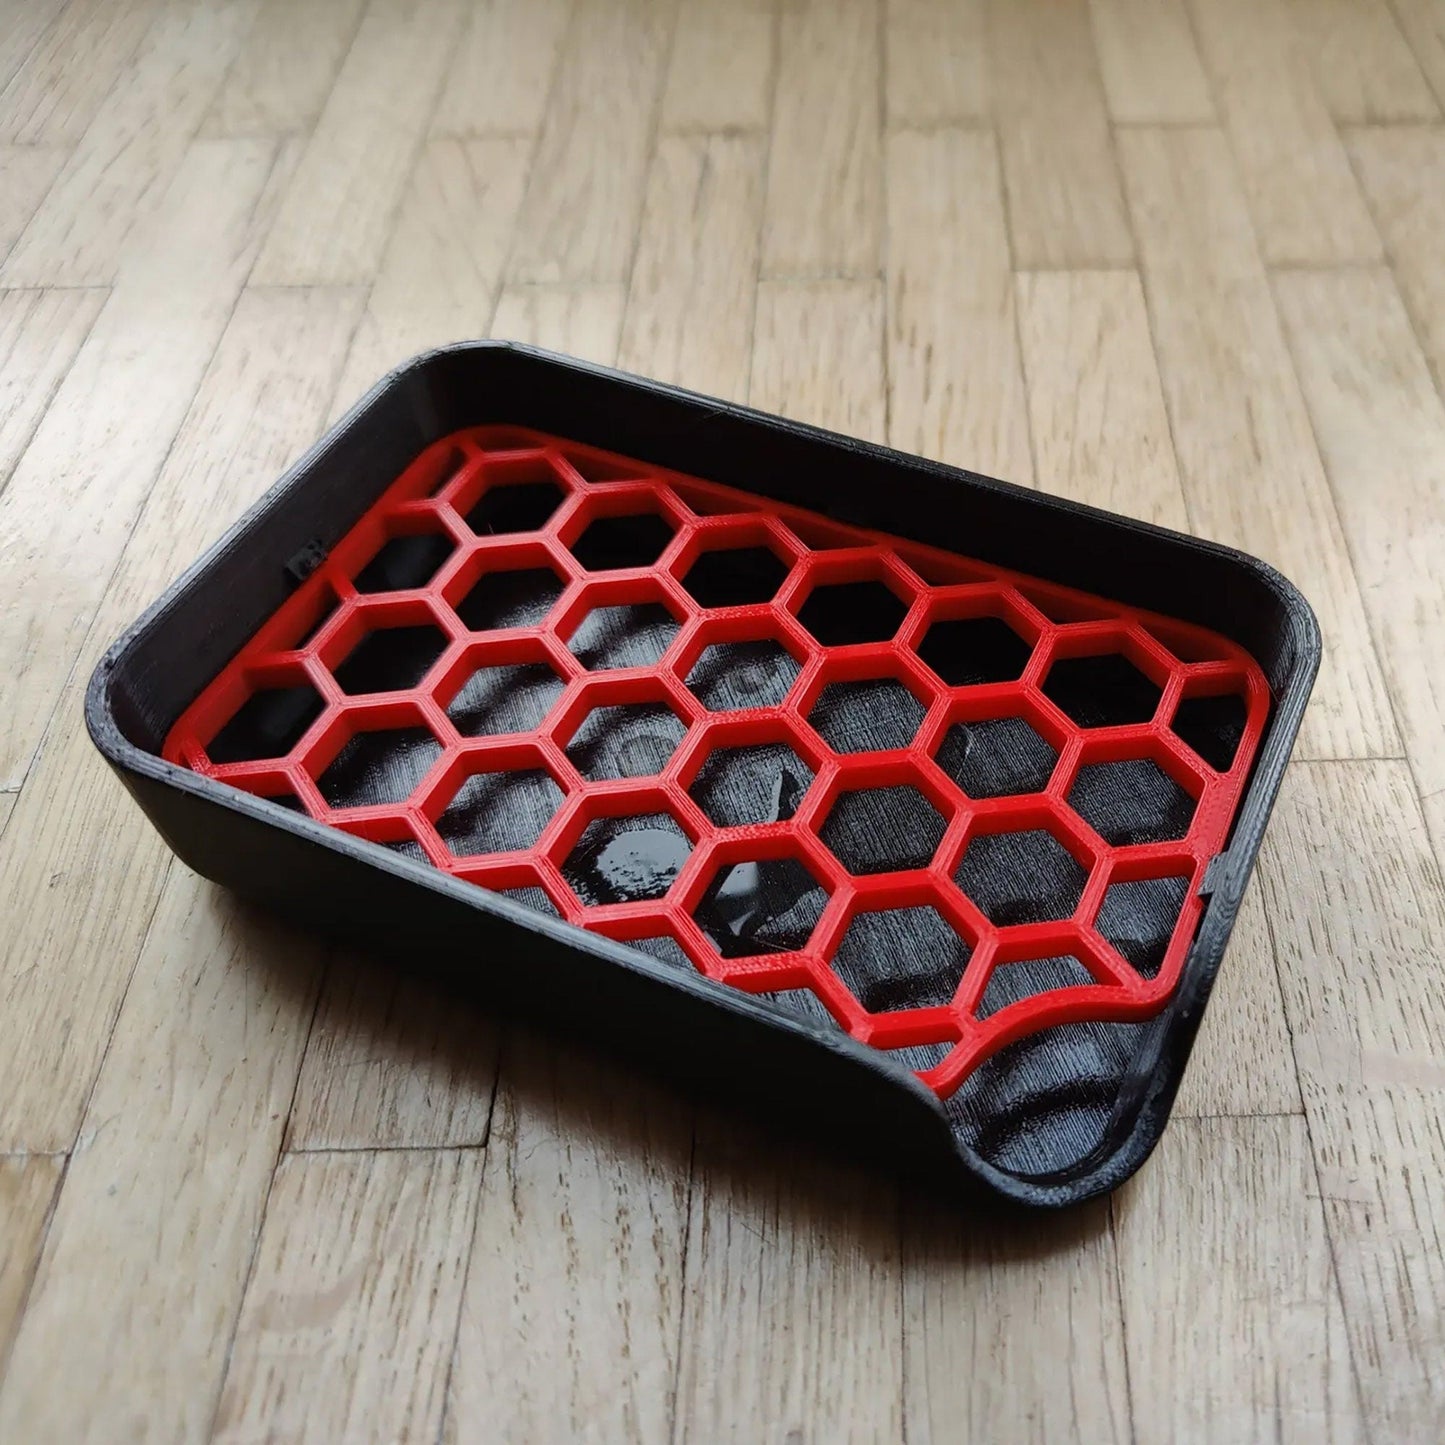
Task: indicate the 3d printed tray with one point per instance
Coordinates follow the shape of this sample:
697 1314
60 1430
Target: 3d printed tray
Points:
968 816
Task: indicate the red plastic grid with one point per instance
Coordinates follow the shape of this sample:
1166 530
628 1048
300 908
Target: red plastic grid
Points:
533 497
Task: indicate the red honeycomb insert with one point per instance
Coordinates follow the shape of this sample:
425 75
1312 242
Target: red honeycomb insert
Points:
937 803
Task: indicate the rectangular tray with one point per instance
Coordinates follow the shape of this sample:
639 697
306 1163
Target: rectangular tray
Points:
912 805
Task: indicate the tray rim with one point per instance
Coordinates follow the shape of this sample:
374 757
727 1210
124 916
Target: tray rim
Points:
1152 1101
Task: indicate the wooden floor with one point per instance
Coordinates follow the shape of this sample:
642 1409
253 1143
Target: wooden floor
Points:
1182 258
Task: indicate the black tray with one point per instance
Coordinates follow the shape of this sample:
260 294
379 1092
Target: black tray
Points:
1055 1118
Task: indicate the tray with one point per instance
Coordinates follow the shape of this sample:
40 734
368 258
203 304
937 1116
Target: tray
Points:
620 706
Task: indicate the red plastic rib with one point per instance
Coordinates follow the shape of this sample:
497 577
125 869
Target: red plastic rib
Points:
556 490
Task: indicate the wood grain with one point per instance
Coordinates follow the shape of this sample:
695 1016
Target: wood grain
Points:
936 60
955 383
26 174
1402 169
391 1063
581 1231
361 1257
125 1333
689 317
40 332
81 898
25 27
1381 427
582 321
121 168
75 493
1238 417
720 77
7 806
1012 1328
1064 202
1423 23
1358 906
1231 1310
824 168
1149 64
360 154
279 80
579 218
1364 67
1306 205
28 1185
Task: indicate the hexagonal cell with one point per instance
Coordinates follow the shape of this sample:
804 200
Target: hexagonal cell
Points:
883 830
869 716
1011 982
626 860
520 506
968 651
731 676
405 562
901 958
379 767
1132 802
512 698
920 1057
760 783
735 576
767 907
627 740
996 759
520 598
1213 727
801 1003
1027 877
390 658
267 725
1139 919
534 898
1101 692
839 614
611 543
499 812
408 848
665 948
634 634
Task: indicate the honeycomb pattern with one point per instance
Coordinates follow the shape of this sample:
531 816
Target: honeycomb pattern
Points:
885 789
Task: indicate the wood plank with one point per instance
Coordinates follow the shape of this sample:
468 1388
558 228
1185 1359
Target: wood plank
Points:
40 332
25 27
1012 1327
7 806
502 74
1402 169
579 219
936 62
721 71
360 1264
955 382
1358 907
392 1064
1149 63
79 900
581 1233
440 272
1423 22
360 154
52 97
817 354
792 1325
75 493
1361 61
582 321
1064 201
1252 475
1100 431
279 81
1381 427
822 216
140 1283
1306 205
26 174
122 167
689 317
28 1185
1231 1310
